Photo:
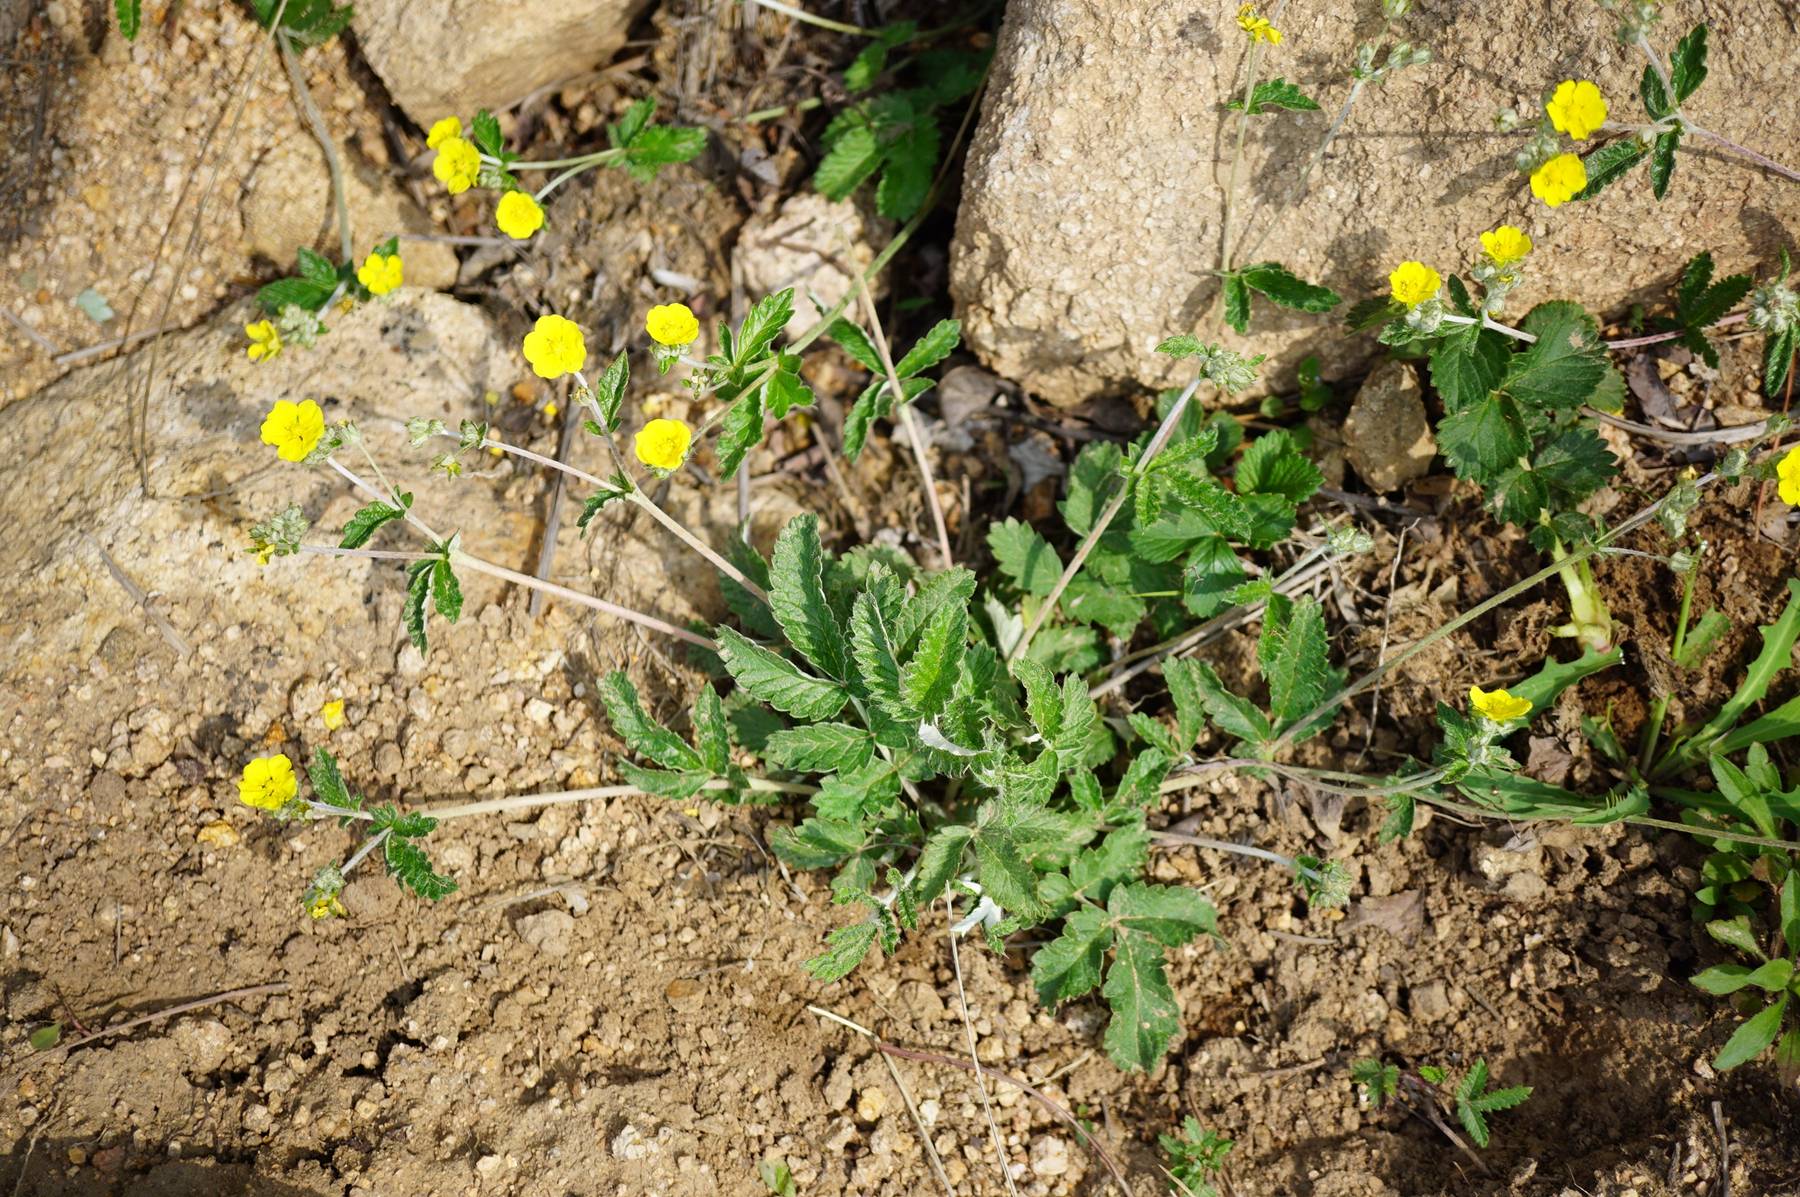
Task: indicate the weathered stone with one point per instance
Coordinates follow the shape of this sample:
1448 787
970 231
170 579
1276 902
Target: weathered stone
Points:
450 57
1387 438
1093 196
810 244
287 203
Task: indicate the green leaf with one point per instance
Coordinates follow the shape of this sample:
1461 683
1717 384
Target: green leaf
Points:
1736 933
1778 641
1752 1037
928 678
1653 95
797 598
665 783
1237 303
1144 1014
486 132
1778 359
1025 557
1771 975
48 1036
1119 858
412 869
1687 65
363 524
298 292
854 341
636 119
875 403
820 748
641 733
446 593
854 154
1274 93
328 783
740 431
1662 162
930 349
1069 965
1606 165
911 161
1234 716
940 861
855 796
1702 638
662 145
316 268
776 680
1378 1080
1484 440
946 587
762 324
711 734
1170 914
131 17
1093 480
1565 365
418 594
1288 289
1464 379
609 391
844 950
1273 464
873 617
784 392
1293 655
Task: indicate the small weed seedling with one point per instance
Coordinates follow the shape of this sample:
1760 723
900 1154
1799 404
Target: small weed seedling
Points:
1771 983
1430 1091
1196 1156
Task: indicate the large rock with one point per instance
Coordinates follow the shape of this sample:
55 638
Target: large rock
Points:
287 203
1093 196
449 57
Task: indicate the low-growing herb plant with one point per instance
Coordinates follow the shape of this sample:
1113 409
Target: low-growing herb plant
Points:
1195 1157
1431 1090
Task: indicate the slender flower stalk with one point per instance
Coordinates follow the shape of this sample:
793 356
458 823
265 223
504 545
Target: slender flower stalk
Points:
908 422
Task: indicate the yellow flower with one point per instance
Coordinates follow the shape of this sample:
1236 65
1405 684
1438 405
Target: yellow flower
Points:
443 131
1788 471
324 906
1257 27
332 714
1412 283
293 428
1559 180
518 215
265 342
555 347
550 410
458 165
1577 108
663 444
1505 245
265 554
672 324
268 782
380 273
1498 705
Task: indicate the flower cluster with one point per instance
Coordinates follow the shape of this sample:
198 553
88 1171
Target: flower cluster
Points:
1258 27
1575 108
279 535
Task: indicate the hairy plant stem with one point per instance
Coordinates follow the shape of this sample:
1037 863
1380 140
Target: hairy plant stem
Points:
1252 64
512 575
1662 75
638 498
303 94
903 411
1489 322
1163 432
363 849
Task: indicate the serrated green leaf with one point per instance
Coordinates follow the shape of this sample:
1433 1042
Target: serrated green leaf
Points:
797 598
609 391
1562 368
418 595
1485 439
1234 716
1170 914
950 586
1069 965
446 592
936 345
327 782
641 733
1025 557
1274 93
1687 65
131 17
1273 465
873 617
1293 655
1702 638
1144 1014
854 796
1288 289
740 431
844 950
910 161
1771 975
776 680
1465 378
665 783
928 678
784 392
1662 162
1608 164
711 734
1778 359
368 518
856 343
875 403
820 748
941 860
316 268
854 154
1237 303
486 131
412 868
298 292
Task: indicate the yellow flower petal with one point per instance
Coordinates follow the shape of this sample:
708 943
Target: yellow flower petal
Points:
265 341
380 273
443 131
268 782
332 714
555 347
518 215
672 324
663 444
1412 283
1577 108
1788 472
1498 705
1505 245
1559 180
293 428
458 165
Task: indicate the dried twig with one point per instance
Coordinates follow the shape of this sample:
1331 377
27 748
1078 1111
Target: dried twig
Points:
230 995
